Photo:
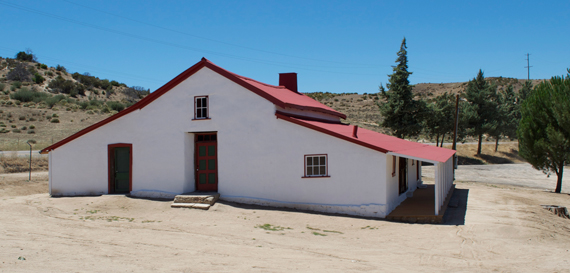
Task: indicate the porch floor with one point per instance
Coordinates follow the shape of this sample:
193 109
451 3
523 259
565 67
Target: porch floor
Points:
420 208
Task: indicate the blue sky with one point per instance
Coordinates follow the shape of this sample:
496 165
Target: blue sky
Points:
335 46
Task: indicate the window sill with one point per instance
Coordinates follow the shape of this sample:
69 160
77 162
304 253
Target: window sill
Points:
324 176
201 119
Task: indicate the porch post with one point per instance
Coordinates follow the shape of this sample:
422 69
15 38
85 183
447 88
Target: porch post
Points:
437 186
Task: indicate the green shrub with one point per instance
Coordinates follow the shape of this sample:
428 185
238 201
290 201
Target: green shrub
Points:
27 56
32 119
24 128
53 100
3 131
25 95
16 131
38 78
32 127
22 117
13 126
60 68
54 120
55 115
17 84
114 83
83 104
43 66
2 86
115 105
31 132
48 73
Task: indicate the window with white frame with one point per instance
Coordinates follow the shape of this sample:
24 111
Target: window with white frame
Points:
201 107
316 165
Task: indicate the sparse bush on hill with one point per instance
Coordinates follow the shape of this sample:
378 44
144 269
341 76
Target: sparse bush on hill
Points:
136 92
2 86
54 120
61 85
43 66
25 95
60 68
53 100
19 73
115 105
27 56
38 78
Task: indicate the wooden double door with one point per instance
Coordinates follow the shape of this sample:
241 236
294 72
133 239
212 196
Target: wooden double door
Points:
206 162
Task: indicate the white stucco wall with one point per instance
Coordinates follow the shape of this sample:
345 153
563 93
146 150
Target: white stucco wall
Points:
260 157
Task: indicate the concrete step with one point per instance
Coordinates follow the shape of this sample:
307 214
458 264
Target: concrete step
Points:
190 206
195 200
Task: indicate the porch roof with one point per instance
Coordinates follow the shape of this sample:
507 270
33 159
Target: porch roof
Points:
374 140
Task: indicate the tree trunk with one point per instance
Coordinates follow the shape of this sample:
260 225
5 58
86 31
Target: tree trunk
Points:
479 146
496 144
559 182
442 138
436 140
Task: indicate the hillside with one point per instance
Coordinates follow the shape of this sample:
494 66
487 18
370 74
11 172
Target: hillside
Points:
56 104
362 109
46 104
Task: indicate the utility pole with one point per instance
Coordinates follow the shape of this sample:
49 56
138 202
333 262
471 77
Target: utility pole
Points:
528 66
456 127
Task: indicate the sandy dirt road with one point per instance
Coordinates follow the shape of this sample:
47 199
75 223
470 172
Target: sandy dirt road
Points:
502 228
521 174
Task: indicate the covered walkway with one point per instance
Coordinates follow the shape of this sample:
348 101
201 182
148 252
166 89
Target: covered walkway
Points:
420 208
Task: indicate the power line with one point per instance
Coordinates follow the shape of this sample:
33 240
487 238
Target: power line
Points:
212 40
93 68
283 64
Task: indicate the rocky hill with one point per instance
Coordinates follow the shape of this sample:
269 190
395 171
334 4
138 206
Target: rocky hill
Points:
44 104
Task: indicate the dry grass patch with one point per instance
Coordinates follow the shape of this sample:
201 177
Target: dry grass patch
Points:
16 164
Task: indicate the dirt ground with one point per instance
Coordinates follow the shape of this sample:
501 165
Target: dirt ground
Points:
492 228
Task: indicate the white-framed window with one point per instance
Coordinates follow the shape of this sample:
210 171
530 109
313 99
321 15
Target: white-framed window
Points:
316 165
201 107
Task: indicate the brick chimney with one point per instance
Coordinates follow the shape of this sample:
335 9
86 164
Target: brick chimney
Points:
289 80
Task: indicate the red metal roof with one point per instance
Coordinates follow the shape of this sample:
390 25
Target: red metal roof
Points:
278 95
374 140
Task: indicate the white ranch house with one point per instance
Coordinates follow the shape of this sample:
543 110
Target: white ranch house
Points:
211 130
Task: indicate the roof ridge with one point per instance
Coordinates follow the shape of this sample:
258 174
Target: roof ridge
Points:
266 84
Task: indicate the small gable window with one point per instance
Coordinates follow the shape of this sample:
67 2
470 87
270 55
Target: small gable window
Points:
201 107
316 166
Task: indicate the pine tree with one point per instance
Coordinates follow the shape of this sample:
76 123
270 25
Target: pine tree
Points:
506 116
544 129
525 90
481 109
438 121
400 111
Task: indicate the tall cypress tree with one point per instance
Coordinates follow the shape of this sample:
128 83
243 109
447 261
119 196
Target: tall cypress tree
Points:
481 107
401 111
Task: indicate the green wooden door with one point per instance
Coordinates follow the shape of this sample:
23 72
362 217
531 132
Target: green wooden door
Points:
122 169
206 166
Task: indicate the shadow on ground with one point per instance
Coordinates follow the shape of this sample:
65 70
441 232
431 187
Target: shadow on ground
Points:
491 159
457 208
462 160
